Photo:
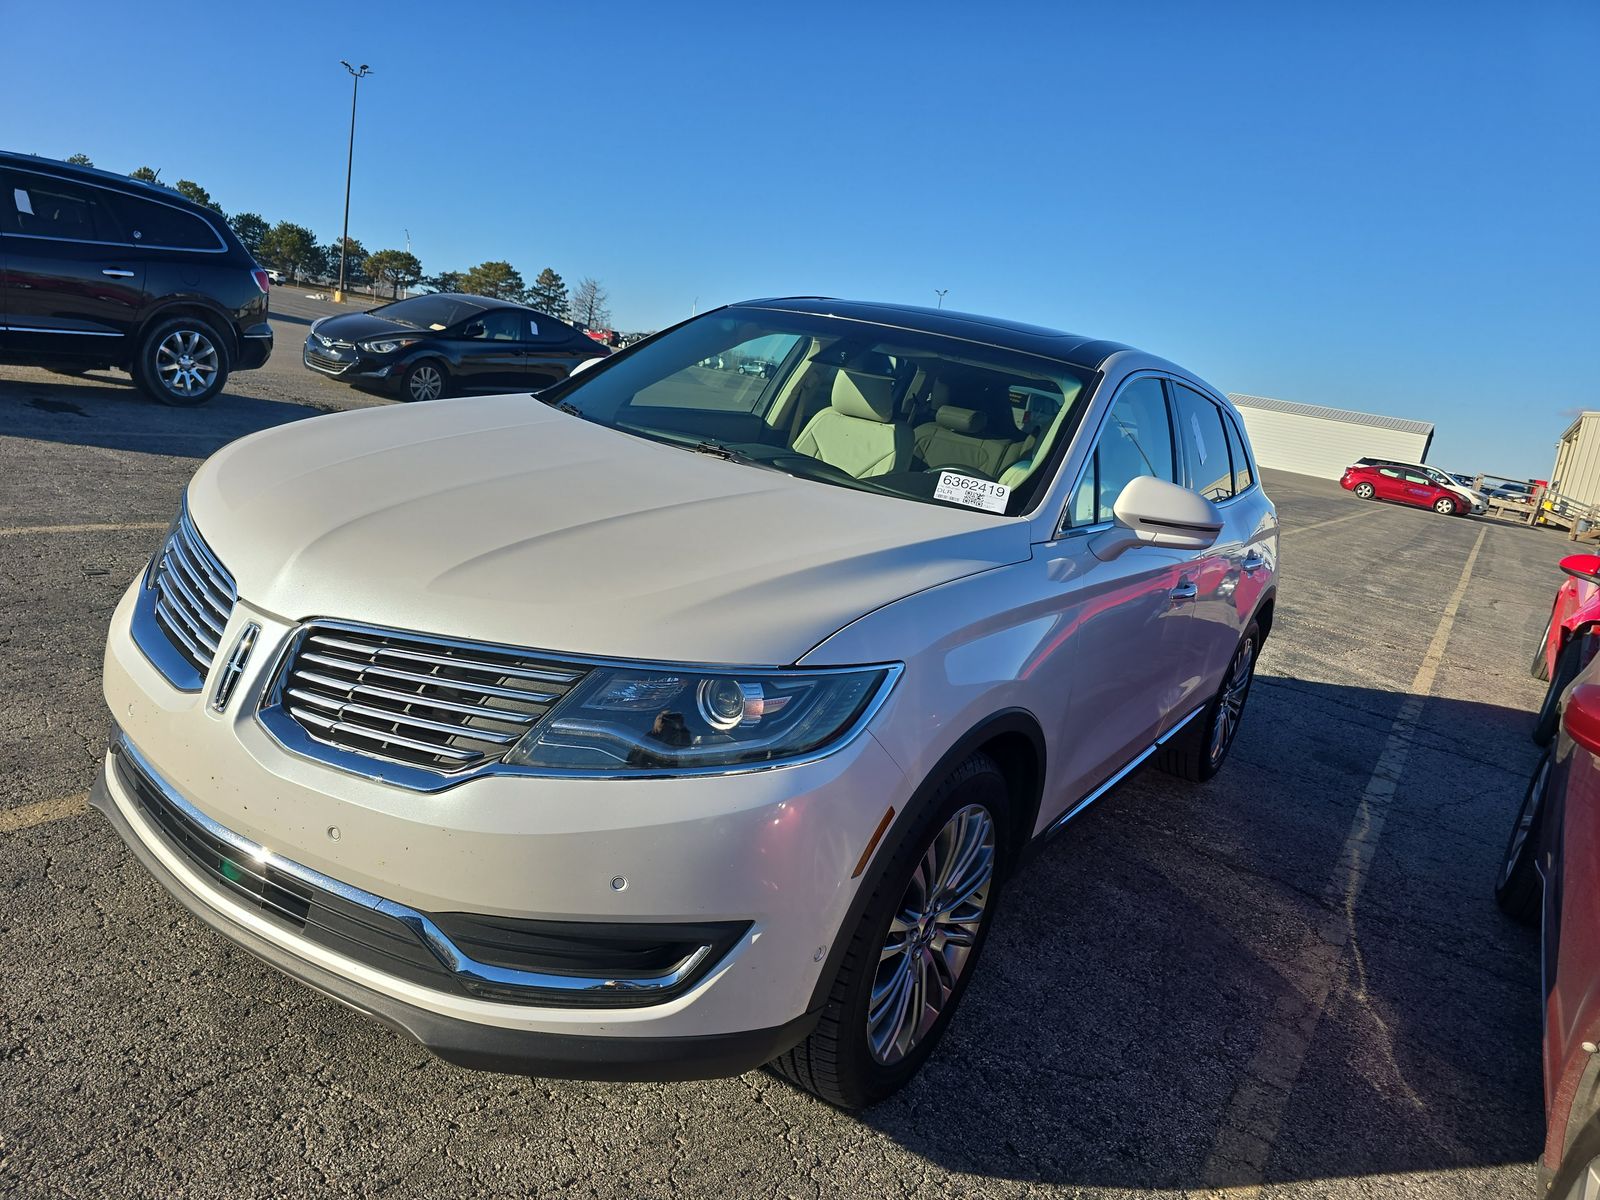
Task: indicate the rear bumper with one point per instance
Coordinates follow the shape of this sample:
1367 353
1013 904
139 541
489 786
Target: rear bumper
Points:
480 1046
255 347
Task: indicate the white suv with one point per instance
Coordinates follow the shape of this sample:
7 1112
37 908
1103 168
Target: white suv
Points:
651 729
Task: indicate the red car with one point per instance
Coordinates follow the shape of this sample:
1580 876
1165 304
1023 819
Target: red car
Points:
1551 874
1567 645
1405 486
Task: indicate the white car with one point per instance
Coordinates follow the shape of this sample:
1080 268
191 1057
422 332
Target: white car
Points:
599 734
275 276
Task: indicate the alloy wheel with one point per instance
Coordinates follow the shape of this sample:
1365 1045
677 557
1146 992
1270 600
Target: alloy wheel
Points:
932 934
186 362
1230 704
426 383
1587 1185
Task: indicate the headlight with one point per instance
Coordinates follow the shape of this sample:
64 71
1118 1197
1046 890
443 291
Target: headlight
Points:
387 345
622 719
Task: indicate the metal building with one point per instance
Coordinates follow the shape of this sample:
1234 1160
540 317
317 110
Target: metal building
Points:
1311 440
1576 474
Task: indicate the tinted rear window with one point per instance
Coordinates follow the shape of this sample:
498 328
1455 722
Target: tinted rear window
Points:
151 223
45 206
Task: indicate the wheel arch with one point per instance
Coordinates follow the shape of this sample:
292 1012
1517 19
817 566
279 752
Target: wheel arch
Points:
214 317
1015 740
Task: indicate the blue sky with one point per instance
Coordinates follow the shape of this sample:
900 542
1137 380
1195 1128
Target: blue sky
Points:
1390 207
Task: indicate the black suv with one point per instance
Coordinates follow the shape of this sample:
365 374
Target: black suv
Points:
99 270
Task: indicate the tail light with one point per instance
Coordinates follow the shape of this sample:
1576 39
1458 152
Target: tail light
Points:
262 281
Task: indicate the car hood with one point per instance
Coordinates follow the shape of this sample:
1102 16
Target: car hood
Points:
504 520
356 327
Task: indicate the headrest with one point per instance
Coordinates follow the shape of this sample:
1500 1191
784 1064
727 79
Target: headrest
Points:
865 397
961 420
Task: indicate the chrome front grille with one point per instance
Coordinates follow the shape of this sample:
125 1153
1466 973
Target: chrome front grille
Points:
422 702
322 362
194 595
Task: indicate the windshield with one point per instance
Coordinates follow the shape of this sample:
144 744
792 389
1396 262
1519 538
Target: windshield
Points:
428 312
844 402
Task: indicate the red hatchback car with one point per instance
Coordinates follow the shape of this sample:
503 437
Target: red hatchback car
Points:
1405 486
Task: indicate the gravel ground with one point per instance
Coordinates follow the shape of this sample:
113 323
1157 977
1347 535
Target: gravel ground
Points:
1290 982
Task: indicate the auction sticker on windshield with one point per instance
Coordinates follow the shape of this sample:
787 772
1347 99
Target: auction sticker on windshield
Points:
971 491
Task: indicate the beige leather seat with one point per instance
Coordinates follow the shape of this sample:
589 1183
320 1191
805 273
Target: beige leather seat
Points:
984 440
857 432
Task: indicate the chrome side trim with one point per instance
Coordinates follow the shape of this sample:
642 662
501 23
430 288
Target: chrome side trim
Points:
273 717
1135 762
447 952
71 332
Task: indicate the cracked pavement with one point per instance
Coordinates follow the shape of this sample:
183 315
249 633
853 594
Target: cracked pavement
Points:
1119 1007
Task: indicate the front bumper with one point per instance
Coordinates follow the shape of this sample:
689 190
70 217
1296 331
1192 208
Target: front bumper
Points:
468 1043
773 850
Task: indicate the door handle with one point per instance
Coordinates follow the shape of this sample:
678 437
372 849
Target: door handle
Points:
1184 591
1252 563
117 273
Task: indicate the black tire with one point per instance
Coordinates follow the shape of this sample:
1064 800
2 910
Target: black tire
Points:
1365 491
1196 753
1518 889
418 383
837 1062
183 362
1541 664
1568 663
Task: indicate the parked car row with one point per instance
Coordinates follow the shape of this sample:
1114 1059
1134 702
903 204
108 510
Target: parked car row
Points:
618 733
1405 485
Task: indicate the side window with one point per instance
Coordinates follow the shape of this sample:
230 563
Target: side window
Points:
1242 478
44 206
502 325
1205 444
1135 440
1389 471
149 223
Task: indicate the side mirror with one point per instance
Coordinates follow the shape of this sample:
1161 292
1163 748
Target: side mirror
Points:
583 366
1153 512
1582 566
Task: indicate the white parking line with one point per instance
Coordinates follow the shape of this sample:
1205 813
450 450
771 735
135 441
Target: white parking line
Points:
1250 1127
29 815
1320 524
23 530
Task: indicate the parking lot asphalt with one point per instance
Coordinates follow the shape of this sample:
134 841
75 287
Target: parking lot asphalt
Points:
1289 982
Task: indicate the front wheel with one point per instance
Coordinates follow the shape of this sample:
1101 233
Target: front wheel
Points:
1364 491
425 380
1517 890
915 949
1199 750
182 362
1444 508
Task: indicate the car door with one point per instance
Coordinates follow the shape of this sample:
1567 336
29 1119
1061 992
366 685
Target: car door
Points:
551 349
74 285
1415 488
491 352
1128 618
1389 484
1208 457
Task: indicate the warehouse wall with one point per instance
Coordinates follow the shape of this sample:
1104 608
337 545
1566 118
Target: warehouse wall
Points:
1316 446
1577 470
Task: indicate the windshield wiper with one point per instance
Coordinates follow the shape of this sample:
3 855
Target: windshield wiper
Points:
718 450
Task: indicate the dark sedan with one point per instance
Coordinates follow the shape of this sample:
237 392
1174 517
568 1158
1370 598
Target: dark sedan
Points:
430 346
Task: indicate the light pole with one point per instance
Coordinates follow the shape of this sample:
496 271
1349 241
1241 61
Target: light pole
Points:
939 292
355 86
